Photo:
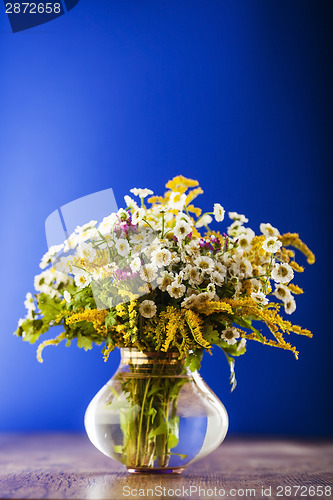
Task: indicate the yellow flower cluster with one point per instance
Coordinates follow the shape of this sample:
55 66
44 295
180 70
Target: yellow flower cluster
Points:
94 316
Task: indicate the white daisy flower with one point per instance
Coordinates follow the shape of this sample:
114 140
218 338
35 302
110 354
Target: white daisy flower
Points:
67 296
188 302
260 298
211 291
52 251
220 268
271 244
107 224
176 290
183 216
182 229
29 302
135 265
218 212
138 215
241 344
244 266
130 203
147 309
86 251
88 225
256 285
217 278
244 242
204 220
282 292
122 247
81 278
282 273
235 229
148 273
88 234
164 281
193 275
229 335
142 193
161 257
204 263
238 217
201 299
177 201
290 305
268 230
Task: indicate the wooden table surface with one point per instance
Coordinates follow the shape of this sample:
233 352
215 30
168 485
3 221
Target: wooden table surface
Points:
57 466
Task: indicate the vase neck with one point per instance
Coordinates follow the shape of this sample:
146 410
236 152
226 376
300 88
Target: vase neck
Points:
139 361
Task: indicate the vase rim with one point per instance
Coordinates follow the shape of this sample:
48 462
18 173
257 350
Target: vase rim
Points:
134 356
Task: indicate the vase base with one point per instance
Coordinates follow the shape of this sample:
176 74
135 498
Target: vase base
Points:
151 470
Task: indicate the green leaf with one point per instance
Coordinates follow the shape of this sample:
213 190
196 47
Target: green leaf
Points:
193 361
110 319
84 342
118 448
173 428
211 335
161 429
247 323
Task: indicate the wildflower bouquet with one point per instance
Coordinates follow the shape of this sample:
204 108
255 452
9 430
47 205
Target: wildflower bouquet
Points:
155 277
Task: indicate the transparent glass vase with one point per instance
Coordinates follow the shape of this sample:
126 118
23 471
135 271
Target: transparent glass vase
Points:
155 415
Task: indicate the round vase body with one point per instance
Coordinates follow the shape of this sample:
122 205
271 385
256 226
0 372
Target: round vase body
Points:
155 415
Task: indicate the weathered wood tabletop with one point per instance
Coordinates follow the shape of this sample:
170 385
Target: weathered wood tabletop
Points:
68 466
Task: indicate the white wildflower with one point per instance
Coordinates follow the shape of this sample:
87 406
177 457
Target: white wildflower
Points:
177 201
217 278
271 244
182 229
244 242
138 215
88 225
238 217
29 302
147 308
148 273
229 335
260 298
164 281
135 265
122 247
161 257
290 305
204 263
176 290
218 212
81 278
107 224
67 296
268 230
142 193
204 220
256 285
211 291
282 292
193 275
282 273
130 203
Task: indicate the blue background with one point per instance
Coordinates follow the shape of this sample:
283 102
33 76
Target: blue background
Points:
236 94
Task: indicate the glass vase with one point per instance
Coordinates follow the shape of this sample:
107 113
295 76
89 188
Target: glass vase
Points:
155 415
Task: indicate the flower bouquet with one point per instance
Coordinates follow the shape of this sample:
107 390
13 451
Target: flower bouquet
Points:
156 281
